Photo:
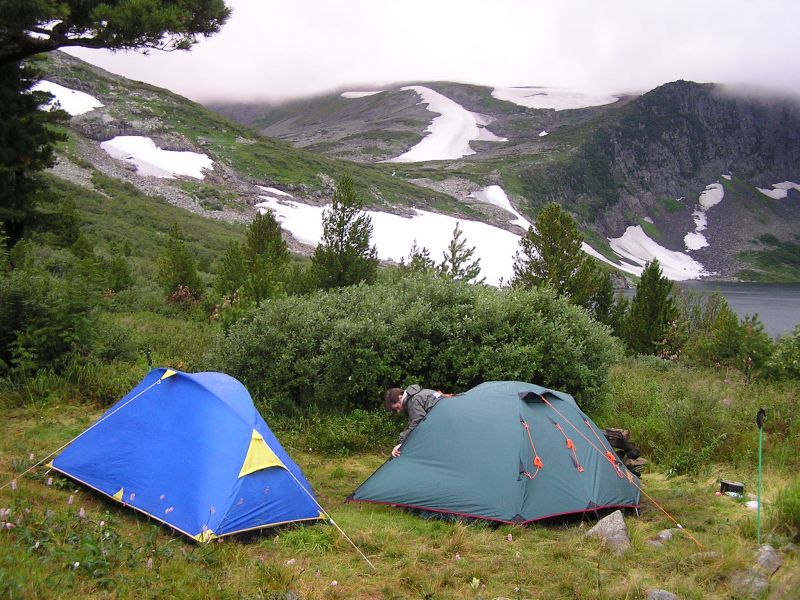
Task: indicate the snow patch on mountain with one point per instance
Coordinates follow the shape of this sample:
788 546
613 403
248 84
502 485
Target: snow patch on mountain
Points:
150 160
394 235
636 246
357 94
555 98
450 133
780 190
496 196
711 196
275 191
72 101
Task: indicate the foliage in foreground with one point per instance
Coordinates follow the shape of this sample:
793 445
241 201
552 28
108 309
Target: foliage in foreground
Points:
341 349
685 419
66 541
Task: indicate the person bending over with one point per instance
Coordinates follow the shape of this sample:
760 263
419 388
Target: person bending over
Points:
415 402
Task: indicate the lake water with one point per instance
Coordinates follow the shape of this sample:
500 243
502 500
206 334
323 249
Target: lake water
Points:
777 304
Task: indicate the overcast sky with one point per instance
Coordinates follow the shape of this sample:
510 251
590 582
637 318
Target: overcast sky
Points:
273 50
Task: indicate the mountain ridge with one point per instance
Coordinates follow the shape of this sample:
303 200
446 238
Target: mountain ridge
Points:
642 161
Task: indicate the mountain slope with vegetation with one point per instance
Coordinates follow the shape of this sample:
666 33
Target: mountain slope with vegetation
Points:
644 160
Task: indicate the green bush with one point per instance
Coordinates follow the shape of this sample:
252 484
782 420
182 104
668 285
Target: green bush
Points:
785 360
341 349
46 311
334 434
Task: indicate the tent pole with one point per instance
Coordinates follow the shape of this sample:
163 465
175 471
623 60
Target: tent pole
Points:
760 422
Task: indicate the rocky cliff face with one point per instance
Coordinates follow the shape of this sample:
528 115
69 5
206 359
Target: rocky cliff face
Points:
675 140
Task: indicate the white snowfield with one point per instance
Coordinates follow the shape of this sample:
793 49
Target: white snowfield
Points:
637 247
711 196
150 160
555 98
780 191
394 236
450 133
72 101
357 94
496 195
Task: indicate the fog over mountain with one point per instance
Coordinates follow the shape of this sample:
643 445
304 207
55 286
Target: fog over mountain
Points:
276 51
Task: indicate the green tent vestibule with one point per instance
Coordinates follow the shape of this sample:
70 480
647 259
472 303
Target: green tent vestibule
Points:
504 451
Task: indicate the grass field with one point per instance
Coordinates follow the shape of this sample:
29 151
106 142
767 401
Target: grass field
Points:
67 541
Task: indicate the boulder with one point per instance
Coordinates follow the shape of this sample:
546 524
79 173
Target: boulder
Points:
612 531
661 595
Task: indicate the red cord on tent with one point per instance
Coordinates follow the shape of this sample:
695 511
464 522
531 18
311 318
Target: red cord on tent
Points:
570 446
537 462
629 477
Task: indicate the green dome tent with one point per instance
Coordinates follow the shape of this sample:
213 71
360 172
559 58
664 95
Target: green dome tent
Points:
504 451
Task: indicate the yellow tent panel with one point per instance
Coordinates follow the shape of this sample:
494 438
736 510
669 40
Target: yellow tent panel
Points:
259 456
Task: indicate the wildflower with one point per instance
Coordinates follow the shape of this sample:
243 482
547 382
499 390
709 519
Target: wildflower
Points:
291 561
102 524
4 512
49 481
458 556
149 563
334 583
517 555
475 583
510 538
30 457
81 513
70 500
10 526
76 564
13 485
36 545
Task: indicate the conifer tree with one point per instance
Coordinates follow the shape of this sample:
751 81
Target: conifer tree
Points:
30 27
457 263
652 312
344 256
550 255
177 267
34 26
255 270
26 146
419 260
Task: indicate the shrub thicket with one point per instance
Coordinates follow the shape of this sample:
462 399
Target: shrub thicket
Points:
340 349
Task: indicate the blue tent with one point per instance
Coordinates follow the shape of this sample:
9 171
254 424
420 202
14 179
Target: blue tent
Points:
191 451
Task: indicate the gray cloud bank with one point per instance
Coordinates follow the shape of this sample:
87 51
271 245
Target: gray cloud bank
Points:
280 50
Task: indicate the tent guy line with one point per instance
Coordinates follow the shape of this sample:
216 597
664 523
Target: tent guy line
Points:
612 460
